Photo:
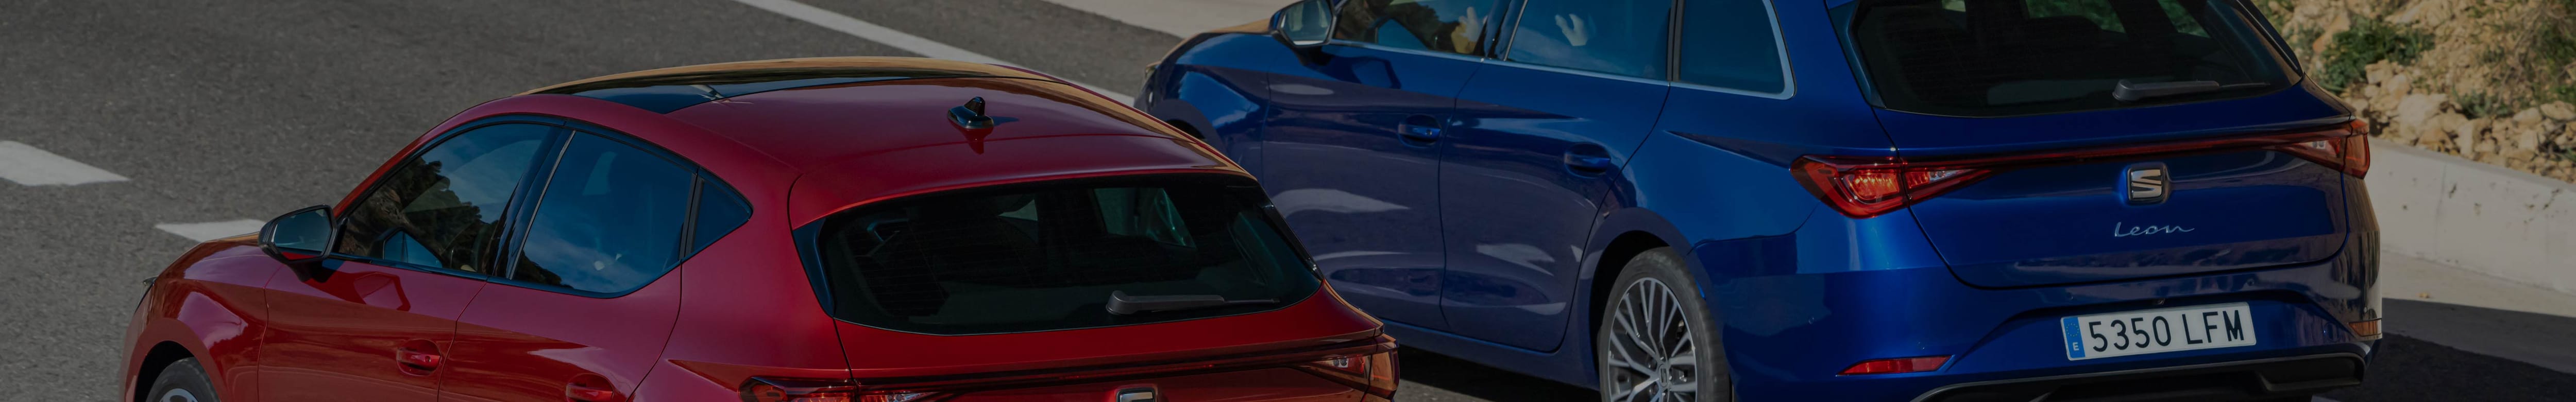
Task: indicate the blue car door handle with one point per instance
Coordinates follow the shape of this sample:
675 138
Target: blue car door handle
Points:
1588 158
1419 129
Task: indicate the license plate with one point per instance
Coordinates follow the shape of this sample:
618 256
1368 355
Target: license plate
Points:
2141 332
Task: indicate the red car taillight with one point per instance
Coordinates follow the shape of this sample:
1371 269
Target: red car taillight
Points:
1373 372
1366 365
1862 187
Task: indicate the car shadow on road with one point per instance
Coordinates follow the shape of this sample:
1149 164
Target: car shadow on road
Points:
1478 381
2411 366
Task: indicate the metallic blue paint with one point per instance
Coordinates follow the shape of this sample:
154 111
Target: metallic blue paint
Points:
1486 242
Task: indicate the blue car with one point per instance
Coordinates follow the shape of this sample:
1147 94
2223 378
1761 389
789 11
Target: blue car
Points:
1829 200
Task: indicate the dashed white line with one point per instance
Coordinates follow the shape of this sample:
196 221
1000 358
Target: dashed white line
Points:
29 166
890 37
211 230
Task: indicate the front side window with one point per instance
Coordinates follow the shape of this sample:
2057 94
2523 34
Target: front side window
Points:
1617 37
1731 44
1453 26
2016 57
1049 256
442 209
609 221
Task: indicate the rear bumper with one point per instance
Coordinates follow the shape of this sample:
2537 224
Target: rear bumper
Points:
1788 334
2241 380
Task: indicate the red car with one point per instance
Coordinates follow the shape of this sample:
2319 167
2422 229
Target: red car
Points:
837 229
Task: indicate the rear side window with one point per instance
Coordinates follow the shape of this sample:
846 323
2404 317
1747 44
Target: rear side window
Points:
719 211
1731 44
609 221
2015 57
1048 256
1617 37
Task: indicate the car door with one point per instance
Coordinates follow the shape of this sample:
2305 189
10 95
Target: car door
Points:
1542 132
1350 154
591 296
375 320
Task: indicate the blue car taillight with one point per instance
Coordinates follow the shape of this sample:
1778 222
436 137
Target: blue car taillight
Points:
1862 187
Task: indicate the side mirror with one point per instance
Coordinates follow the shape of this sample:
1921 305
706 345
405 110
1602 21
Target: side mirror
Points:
298 237
1306 24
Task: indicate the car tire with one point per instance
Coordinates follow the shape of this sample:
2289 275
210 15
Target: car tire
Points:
181 381
1654 281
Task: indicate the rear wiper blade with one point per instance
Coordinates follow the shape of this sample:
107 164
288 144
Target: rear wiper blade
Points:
2133 91
1121 303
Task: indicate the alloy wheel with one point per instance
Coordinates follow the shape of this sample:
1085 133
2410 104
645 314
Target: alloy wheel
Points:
1652 357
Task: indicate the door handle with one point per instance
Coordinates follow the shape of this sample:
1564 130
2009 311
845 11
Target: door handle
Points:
417 362
1419 129
1588 159
585 393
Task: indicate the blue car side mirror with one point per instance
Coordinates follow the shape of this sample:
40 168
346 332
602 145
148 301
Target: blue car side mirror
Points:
1306 24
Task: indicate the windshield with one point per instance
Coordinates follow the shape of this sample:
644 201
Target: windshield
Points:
1048 256
1984 58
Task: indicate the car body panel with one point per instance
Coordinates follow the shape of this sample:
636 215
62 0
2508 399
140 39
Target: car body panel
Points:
210 302
1319 320
1367 197
1263 385
516 343
700 337
1802 290
2075 223
1509 280
335 332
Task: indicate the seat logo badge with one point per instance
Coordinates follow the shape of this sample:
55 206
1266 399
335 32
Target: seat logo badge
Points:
1143 393
2148 184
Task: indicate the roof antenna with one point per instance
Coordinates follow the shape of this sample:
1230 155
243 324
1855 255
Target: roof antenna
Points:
971 115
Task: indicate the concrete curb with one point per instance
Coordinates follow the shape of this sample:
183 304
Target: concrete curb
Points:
2479 217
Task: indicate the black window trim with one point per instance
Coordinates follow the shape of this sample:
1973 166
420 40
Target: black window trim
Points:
333 257
804 237
511 244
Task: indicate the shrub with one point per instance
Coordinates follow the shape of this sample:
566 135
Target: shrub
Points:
2482 105
2370 40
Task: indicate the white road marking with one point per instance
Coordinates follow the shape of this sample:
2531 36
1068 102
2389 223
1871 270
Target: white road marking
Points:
29 166
211 230
899 40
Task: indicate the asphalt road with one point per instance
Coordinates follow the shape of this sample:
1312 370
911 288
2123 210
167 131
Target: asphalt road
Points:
224 110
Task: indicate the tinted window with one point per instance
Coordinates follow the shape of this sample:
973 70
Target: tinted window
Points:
609 221
2013 57
1455 26
1617 37
719 211
1731 44
442 209
1047 256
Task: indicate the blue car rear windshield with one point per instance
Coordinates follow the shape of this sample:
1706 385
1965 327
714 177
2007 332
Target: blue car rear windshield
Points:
1047 256
1986 58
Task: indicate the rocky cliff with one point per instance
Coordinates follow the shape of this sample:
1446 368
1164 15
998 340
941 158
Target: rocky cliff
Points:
2492 81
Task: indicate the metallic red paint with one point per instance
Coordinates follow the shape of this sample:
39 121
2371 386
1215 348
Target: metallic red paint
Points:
742 307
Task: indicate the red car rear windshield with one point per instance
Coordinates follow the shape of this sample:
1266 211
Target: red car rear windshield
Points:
1983 58
1048 256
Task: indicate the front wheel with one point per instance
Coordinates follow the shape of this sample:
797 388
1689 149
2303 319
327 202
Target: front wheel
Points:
181 381
1656 342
